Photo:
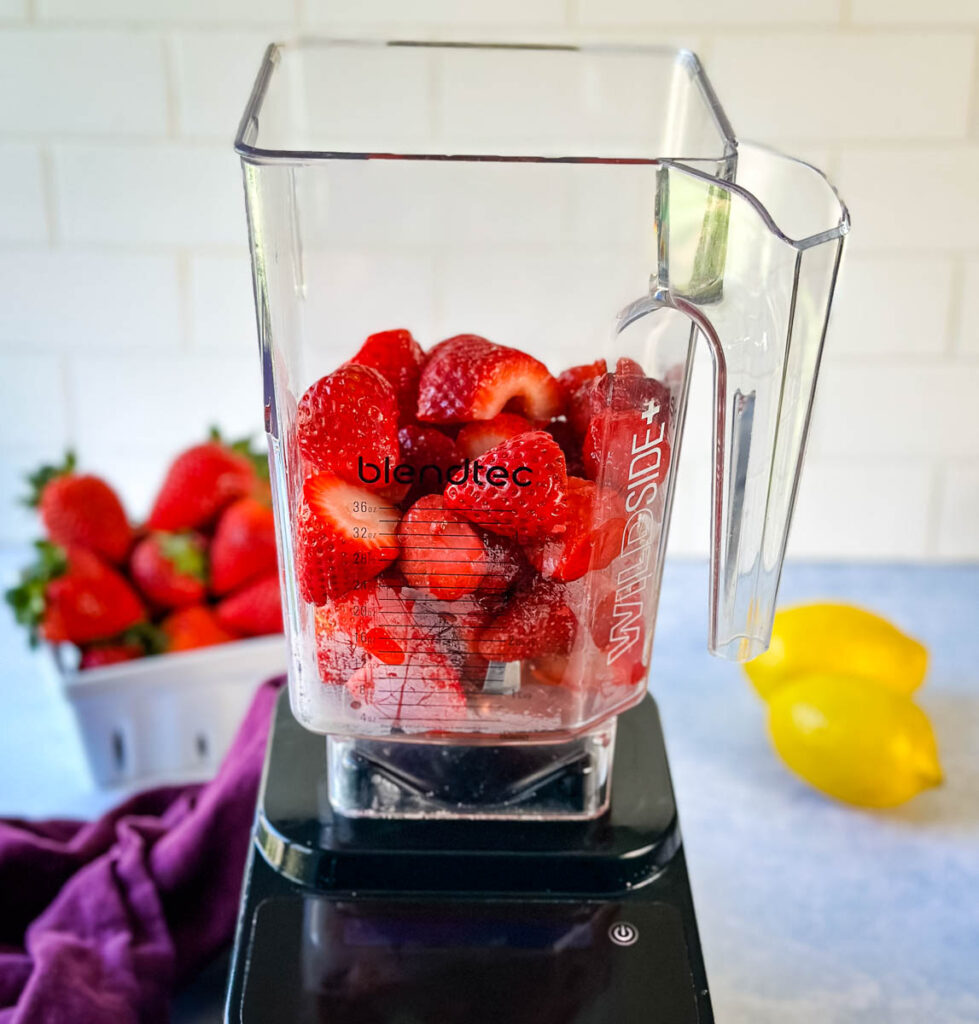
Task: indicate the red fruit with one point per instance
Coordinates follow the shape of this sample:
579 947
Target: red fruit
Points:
570 444
470 378
535 622
445 557
375 617
431 454
398 358
199 483
596 519
627 450
477 438
424 692
573 378
627 367
616 392
109 654
337 656
170 569
347 423
193 627
243 546
255 609
81 509
344 535
75 597
516 489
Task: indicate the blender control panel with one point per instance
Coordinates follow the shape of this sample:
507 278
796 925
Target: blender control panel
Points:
406 961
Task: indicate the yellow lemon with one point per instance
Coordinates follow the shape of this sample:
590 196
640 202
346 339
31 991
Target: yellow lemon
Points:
855 740
838 638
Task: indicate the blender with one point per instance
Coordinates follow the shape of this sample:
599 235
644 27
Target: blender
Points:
481 273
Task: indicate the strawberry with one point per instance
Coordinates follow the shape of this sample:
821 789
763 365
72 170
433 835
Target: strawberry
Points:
536 621
337 656
170 569
343 535
398 358
347 424
431 454
243 546
200 482
477 438
375 617
253 610
445 557
195 626
100 655
596 519
522 492
573 378
626 390
80 509
626 367
627 449
425 692
470 378
570 444
72 596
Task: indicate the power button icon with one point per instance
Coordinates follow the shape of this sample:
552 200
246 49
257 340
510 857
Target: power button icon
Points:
622 933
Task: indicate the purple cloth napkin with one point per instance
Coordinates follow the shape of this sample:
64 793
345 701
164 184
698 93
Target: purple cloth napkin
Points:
100 921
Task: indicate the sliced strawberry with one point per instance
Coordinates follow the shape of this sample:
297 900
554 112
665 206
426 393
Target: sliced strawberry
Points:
398 358
445 556
254 609
575 376
536 621
337 656
376 617
570 445
627 367
477 438
344 535
596 519
424 693
516 489
470 378
430 454
347 424
616 392
626 450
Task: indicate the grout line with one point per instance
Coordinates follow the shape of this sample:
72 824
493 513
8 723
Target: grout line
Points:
954 313
168 43
49 195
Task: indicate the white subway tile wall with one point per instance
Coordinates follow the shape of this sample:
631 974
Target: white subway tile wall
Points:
126 319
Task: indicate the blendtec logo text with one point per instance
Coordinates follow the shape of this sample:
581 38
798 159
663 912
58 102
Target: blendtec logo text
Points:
480 474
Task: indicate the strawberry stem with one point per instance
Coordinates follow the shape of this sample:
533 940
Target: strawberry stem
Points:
27 599
43 475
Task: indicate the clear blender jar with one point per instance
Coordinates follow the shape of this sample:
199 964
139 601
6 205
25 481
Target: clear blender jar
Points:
480 274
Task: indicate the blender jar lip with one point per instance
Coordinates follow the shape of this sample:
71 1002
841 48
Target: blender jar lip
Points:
253 154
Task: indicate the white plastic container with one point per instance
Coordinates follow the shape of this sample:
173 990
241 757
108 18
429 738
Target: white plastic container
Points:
168 718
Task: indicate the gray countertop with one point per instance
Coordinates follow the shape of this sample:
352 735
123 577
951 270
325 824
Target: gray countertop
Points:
809 911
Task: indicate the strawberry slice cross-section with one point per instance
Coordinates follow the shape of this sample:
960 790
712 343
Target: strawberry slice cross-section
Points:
344 535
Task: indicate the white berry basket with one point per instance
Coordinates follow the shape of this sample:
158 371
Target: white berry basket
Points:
168 718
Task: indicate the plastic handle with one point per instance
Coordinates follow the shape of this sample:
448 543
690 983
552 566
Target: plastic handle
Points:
760 301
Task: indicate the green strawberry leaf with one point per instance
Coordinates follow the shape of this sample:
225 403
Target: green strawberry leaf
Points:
43 475
27 599
185 553
257 455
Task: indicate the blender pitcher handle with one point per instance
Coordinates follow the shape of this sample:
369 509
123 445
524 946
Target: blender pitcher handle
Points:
760 300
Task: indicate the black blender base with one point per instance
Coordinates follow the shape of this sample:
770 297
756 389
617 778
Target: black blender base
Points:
434 922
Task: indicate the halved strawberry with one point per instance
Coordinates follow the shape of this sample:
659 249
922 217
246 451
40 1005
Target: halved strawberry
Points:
470 378
478 437
376 617
445 557
536 621
344 534
398 358
517 489
575 376
596 519
623 391
627 449
337 656
347 424
425 692
569 443
431 454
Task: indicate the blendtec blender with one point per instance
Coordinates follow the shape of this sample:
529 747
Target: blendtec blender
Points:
481 273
